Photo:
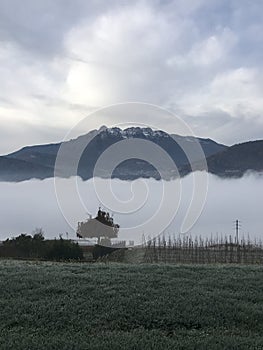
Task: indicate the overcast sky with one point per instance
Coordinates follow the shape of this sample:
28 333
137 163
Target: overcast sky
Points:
62 59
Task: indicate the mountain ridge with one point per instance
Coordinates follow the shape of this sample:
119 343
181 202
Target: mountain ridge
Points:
38 161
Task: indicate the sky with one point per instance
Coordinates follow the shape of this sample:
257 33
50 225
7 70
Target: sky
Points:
61 60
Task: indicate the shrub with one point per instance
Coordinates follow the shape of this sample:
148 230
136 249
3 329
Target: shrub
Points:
63 250
28 247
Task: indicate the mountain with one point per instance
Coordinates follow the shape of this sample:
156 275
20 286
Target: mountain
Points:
233 162
133 168
39 161
236 160
20 170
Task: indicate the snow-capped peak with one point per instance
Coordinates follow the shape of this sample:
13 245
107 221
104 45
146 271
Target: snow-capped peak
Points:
134 132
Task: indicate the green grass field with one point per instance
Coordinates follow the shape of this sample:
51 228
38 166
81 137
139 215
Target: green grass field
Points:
94 306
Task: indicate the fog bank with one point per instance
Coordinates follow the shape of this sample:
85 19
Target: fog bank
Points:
31 204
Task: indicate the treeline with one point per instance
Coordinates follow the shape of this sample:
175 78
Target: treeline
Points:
36 247
186 249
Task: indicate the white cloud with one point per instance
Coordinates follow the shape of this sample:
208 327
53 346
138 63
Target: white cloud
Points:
237 92
213 49
196 58
119 57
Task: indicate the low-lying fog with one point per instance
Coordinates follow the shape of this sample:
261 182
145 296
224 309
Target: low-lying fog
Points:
31 204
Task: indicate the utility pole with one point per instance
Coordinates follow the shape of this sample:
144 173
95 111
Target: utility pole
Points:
237 231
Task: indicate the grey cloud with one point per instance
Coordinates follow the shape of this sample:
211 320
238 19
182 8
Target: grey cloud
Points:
40 26
235 130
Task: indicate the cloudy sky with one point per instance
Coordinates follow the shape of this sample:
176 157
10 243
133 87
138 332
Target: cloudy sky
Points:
62 59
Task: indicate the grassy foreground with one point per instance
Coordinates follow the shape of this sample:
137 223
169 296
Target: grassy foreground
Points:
81 306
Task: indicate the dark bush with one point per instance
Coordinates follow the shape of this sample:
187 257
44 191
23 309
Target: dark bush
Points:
63 250
28 247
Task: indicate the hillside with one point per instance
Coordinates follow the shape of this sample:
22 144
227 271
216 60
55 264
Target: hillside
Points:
238 159
42 158
12 169
39 161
